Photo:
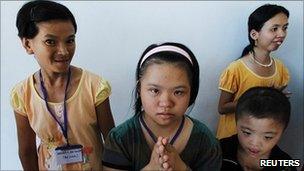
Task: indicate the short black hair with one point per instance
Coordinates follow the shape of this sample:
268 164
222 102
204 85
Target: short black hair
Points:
192 69
37 11
264 102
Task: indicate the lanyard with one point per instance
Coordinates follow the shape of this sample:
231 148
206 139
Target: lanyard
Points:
63 127
179 130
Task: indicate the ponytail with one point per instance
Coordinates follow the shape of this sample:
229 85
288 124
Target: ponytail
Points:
247 49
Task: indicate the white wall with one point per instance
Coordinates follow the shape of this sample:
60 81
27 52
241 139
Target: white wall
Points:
112 36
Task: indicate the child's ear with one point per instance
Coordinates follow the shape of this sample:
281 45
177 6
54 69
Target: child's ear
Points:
254 34
26 43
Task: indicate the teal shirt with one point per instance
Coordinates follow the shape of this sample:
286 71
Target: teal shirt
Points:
126 148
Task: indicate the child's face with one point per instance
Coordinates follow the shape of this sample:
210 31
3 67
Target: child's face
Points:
273 33
258 136
53 46
165 93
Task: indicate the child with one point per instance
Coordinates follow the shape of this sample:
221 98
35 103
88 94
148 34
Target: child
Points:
267 29
160 136
262 115
65 106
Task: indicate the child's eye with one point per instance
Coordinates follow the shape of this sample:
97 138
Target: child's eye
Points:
154 91
71 41
285 28
179 92
274 29
268 138
50 42
246 133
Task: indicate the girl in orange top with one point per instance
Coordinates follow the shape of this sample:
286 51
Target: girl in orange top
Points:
267 29
66 107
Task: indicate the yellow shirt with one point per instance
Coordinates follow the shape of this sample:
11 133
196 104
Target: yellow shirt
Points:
236 79
82 123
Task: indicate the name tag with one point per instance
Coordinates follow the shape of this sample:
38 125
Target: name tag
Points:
68 154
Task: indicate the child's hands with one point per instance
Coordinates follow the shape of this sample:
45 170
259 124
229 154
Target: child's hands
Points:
165 157
171 160
156 160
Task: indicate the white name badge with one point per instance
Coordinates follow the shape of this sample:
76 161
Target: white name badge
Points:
68 154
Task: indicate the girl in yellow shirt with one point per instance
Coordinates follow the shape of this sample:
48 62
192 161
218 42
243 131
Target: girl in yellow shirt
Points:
66 107
267 29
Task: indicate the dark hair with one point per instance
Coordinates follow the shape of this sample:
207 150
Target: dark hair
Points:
37 11
264 102
168 57
257 19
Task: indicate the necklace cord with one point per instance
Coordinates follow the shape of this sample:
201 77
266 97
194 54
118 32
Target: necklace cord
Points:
154 138
63 127
253 57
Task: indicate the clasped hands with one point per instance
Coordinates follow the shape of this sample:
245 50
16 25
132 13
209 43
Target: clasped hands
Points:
165 157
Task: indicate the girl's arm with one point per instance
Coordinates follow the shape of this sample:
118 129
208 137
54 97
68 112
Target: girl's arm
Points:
226 104
104 117
27 143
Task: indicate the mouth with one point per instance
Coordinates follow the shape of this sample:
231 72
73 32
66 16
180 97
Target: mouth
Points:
278 42
253 151
165 115
62 60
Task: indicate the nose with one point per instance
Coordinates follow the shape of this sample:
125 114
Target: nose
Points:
255 141
62 49
282 33
165 101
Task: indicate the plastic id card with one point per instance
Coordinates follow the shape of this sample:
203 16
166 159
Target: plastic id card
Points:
68 154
